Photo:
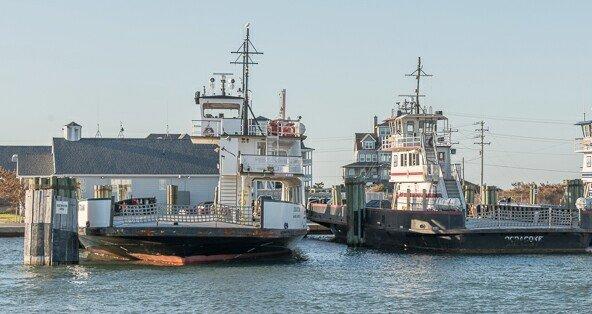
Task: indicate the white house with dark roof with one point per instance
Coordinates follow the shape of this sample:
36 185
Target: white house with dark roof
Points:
371 163
133 167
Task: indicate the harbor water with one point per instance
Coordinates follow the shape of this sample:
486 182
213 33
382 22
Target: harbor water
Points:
323 277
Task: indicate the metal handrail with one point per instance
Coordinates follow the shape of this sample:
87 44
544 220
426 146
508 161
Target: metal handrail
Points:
279 164
495 216
206 127
155 213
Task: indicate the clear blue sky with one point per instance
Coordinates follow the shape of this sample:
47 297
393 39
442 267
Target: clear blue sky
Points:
342 62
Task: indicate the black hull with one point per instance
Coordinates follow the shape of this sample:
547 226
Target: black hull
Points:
178 246
446 232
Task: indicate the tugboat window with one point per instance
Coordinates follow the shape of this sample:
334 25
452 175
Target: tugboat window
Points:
410 128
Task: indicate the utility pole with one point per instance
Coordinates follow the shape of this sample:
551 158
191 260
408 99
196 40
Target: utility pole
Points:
244 52
283 104
481 137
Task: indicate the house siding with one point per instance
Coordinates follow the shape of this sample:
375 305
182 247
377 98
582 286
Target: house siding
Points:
201 188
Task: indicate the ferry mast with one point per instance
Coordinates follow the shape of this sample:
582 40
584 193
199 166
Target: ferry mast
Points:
418 74
244 53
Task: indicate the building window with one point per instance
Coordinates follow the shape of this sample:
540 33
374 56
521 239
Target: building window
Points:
588 161
368 145
403 160
441 156
395 161
362 157
122 188
374 158
410 128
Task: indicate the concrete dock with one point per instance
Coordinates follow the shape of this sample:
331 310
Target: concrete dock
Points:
12 230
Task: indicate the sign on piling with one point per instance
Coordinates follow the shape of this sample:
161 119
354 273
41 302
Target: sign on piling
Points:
51 225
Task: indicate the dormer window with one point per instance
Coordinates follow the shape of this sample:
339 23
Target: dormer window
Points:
368 145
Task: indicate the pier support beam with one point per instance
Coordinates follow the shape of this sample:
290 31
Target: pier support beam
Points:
51 224
356 201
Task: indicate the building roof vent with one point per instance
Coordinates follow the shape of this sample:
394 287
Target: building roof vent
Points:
72 131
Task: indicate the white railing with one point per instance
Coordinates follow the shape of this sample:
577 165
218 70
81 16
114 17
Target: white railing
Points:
155 213
206 128
271 164
499 216
432 171
398 141
456 170
583 145
257 129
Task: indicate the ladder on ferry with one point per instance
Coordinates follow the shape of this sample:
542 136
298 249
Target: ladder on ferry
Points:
228 190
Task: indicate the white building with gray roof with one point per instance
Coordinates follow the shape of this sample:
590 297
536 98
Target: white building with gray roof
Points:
133 167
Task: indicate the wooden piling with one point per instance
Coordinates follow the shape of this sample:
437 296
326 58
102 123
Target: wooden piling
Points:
51 223
356 202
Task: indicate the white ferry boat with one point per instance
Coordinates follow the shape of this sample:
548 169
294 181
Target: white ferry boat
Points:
242 222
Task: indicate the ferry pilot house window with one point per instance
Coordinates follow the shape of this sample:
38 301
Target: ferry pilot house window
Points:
410 128
588 161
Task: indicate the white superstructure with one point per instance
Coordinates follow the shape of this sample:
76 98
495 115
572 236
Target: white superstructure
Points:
584 145
420 143
263 155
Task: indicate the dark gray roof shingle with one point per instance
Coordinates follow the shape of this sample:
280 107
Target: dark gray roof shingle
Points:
35 165
133 156
6 153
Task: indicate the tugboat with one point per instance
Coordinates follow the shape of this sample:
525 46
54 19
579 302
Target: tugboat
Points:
429 212
240 223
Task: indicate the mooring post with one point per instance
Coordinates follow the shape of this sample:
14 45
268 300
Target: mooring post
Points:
356 201
51 223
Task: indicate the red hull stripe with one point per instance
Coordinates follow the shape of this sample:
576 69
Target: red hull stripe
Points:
167 260
406 173
428 195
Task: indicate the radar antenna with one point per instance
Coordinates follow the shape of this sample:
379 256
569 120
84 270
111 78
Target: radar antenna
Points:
244 58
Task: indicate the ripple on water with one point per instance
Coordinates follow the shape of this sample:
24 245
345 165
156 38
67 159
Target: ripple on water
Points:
322 277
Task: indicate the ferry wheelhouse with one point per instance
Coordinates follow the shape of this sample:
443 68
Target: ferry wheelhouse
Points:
424 177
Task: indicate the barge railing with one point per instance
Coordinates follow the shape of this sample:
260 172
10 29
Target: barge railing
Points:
522 216
156 213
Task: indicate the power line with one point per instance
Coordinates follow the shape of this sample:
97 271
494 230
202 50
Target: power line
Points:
513 119
527 168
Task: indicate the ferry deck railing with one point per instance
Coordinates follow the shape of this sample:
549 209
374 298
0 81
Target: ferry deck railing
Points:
271 163
401 141
523 216
165 213
583 145
206 128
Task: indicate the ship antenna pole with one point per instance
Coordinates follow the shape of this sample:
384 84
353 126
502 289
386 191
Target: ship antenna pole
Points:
244 52
418 73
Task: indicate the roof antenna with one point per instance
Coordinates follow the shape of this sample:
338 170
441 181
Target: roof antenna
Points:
121 130
244 58
418 73
98 134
